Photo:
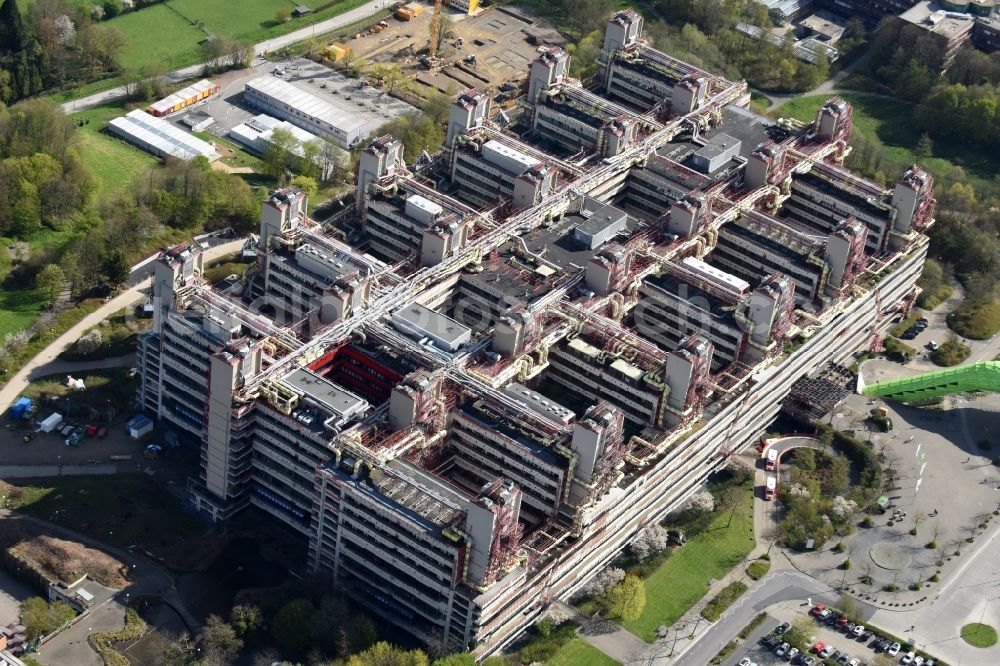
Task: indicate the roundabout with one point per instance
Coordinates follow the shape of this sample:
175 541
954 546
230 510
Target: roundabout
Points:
890 556
979 635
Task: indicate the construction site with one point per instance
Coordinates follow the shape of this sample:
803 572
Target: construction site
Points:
492 48
511 357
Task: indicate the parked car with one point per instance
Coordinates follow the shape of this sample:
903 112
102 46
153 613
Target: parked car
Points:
854 662
866 635
745 661
818 647
793 653
809 661
841 622
858 630
918 661
843 659
102 432
782 628
782 650
827 652
849 628
908 658
769 641
893 649
824 614
817 609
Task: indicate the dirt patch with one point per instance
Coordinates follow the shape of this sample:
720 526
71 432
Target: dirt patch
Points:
60 559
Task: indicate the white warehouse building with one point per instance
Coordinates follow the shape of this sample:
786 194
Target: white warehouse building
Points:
283 100
160 137
256 135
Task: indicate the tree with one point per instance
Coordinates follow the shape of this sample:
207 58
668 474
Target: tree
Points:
924 147
283 15
701 502
245 618
13 33
65 29
291 626
385 654
604 581
280 153
50 282
112 8
306 184
801 630
180 652
117 268
627 600
219 642
41 617
651 540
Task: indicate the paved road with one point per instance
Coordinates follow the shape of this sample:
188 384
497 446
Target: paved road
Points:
772 589
43 471
260 49
16 384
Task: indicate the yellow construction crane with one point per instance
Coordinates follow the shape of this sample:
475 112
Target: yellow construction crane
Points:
435 29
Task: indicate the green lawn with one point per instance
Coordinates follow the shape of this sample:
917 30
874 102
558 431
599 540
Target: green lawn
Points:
578 652
219 17
683 579
18 309
159 34
879 119
168 33
121 510
114 162
979 635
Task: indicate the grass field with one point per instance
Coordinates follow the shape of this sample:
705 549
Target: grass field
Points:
878 119
171 33
114 162
220 19
159 34
120 510
683 579
18 309
578 652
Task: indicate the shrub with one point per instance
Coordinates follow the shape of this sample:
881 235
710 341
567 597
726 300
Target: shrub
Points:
931 545
758 569
951 352
845 565
714 609
867 522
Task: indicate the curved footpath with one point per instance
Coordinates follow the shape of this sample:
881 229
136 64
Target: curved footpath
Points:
16 384
70 646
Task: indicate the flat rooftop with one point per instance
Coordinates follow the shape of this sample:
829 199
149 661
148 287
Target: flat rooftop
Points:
416 318
934 19
341 402
365 107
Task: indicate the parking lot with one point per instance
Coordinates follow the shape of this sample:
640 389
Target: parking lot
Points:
843 645
12 593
